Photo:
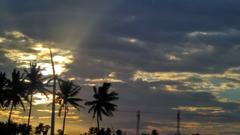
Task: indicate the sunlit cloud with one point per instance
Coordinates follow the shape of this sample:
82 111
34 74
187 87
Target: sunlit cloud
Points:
15 34
215 83
132 41
112 78
16 115
202 33
201 109
40 98
44 117
2 39
37 51
200 49
196 81
172 57
170 87
160 76
45 110
228 32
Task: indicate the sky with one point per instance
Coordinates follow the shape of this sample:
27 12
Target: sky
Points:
160 55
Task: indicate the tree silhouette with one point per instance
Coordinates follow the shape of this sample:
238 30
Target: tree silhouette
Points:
154 132
102 103
15 91
11 128
24 129
42 129
3 85
67 96
92 131
118 132
35 84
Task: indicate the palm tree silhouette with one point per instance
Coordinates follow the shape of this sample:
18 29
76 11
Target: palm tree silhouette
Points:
3 85
15 91
35 84
67 96
102 103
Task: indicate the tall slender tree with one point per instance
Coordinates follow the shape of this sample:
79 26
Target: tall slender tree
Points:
53 94
35 83
102 102
66 97
15 92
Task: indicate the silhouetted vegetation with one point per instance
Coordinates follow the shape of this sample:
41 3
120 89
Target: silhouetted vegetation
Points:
11 128
66 97
154 132
34 83
23 86
102 131
102 103
14 92
42 129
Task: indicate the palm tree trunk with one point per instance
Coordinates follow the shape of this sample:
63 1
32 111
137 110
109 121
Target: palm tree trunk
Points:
10 114
98 126
30 109
64 119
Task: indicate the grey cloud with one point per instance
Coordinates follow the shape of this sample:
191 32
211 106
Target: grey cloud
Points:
98 32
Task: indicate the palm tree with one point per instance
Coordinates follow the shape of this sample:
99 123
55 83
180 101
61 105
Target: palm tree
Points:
102 103
3 85
34 80
67 96
15 91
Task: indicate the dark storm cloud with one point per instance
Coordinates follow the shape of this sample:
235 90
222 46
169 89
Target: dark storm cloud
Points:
161 25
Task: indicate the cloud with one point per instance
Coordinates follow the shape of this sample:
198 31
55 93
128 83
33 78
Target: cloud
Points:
185 56
199 33
201 109
192 81
20 49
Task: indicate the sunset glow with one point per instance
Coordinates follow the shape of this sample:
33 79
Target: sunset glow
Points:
40 99
39 52
142 67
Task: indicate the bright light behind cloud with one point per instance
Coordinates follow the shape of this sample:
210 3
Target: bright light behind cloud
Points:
40 98
30 50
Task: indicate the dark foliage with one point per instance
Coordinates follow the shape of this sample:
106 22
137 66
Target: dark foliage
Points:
10 128
42 129
102 102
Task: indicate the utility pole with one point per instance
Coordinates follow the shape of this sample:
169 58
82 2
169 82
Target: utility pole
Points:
138 122
53 95
178 122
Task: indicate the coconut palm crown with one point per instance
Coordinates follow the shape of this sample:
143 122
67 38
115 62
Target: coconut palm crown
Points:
35 83
102 102
15 91
66 97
